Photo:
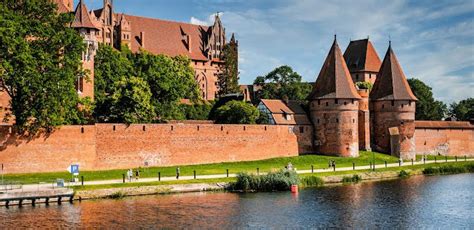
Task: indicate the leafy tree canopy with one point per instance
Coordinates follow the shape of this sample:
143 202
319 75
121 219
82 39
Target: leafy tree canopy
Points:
168 79
237 112
228 81
40 60
131 101
463 110
282 83
110 67
427 108
364 85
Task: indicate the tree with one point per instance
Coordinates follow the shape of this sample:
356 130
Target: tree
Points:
237 112
40 60
197 111
427 108
131 101
464 110
110 67
282 83
170 80
228 81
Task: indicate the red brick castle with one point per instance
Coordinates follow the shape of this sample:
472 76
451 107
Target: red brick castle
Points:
202 44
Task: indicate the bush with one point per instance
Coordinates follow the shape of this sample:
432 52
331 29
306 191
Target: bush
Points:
237 112
364 85
274 181
312 181
404 174
354 179
449 169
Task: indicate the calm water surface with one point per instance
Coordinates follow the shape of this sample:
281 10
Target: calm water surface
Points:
438 202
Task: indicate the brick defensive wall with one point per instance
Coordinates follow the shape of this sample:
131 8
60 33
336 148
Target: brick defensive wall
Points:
118 146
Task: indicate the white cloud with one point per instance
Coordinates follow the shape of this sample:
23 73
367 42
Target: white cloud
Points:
430 45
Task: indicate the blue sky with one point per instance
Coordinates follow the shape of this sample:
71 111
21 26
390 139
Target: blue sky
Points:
434 40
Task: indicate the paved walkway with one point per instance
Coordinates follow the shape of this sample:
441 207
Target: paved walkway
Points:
47 186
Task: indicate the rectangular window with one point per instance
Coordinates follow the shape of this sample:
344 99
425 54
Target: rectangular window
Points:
301 129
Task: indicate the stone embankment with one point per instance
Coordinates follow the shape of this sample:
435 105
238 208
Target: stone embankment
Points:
182 188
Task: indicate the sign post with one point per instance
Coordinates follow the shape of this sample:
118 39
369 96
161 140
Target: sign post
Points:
74 170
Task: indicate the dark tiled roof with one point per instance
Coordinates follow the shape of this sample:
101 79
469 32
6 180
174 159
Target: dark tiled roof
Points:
334 79
166 37
82 18
391 83
443 124
360 56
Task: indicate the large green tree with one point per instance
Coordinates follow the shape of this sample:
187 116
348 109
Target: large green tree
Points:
170 80
110 67
228 80
463 110
427 108
282 83
237 112
40 60
131 101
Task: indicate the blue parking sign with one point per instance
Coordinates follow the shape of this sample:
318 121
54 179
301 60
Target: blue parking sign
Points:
74 169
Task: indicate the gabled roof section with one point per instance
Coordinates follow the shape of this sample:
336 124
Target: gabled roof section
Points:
361 56
62 9
279 110
391 83
82 18
166 37
334 79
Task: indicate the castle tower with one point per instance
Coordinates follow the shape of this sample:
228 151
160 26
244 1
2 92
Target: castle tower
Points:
392 109
125 32
83 24
334 105
216 40
362 60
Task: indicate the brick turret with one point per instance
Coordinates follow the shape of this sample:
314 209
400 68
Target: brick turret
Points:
334 105
86 28
392 109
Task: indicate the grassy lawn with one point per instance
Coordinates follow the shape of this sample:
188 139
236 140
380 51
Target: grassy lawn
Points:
138 184
299 162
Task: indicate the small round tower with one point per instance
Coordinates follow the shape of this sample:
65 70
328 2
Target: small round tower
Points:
334 105
392 109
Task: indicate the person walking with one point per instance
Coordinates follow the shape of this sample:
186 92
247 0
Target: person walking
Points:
137 174
129 175
177 173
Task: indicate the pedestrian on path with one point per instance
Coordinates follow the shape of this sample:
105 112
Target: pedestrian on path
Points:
137 174
129 175
177 173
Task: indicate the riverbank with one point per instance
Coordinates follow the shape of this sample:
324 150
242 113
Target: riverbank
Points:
220 184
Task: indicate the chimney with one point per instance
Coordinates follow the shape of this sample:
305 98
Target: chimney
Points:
142 39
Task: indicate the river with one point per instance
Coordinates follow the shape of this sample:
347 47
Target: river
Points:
439 202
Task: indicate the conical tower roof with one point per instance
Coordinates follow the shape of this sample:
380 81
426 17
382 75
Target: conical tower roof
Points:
334 79
82 18
360 55
391 83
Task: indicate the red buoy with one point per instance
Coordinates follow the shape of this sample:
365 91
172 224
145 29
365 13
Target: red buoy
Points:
294 188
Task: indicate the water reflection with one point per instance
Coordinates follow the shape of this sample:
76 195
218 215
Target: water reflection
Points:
428 202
